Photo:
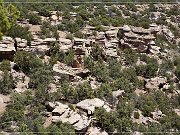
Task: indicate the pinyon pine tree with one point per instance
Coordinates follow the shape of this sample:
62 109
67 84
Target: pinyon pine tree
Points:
8 16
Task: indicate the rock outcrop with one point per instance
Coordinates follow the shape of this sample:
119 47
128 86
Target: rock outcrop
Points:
72 72
156 115
63 113
169 35
142 119
155 83
7 49
41 46
90 104
79 46
22 83
137 38
95 131
177 111
20 43
65 44
4 100
111 48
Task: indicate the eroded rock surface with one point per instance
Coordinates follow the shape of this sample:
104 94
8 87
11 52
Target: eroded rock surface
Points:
63 113
90 104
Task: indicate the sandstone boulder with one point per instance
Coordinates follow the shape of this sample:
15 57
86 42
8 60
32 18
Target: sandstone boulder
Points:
90 104
4 100
64 114
155 83
7 49
140 30
21 43
168 34
117 93
137 133
177 111
126 28
156 115
95 131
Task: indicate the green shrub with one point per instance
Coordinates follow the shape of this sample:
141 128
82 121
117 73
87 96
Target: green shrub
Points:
131 76
84 15
79 34
88 63
97 52
100 28
55 54
176 61
49 31
71 107
20 32
104 91
150 69
123 84
60 127
40 76
71 27
167 65
131 6
136 115
152 8
95 22
130 56
120 34
26 61
34 19
114 68
78 93
106 121
69 57
7 83
5 65
8 16
80 21
44 12
105 21
100 71
141 70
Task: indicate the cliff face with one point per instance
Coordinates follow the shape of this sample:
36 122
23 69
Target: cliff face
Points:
7 49
92 69
138 38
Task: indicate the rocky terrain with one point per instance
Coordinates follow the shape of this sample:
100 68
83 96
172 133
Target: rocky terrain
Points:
91 69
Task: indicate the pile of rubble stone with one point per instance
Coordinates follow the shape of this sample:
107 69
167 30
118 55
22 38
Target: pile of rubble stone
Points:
80 121
63 113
